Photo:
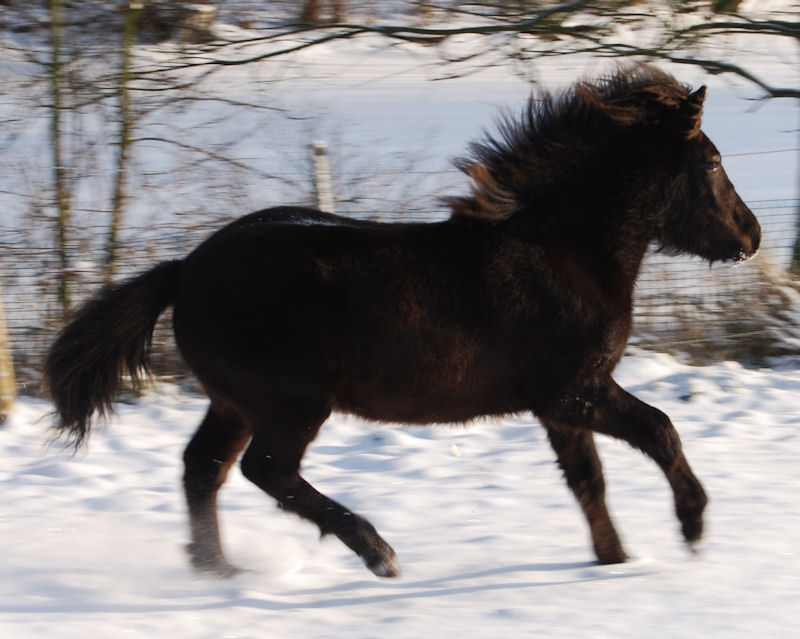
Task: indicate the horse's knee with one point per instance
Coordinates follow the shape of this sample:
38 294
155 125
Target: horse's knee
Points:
661 440
581 466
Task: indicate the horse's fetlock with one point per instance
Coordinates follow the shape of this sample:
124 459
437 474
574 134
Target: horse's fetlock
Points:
611 555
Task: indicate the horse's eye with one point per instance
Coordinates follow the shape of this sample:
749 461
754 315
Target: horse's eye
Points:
713 165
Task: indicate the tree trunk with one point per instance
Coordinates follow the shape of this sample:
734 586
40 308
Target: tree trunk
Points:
309 14
126 122
8 387
60 178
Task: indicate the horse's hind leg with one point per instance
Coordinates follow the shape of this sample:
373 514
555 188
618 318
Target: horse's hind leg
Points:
583 471
272 462
210 454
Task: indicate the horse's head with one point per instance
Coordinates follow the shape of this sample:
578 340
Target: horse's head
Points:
706 217
631 140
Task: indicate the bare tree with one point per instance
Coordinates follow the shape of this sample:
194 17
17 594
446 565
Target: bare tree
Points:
699 33
126 124
61 185
95 104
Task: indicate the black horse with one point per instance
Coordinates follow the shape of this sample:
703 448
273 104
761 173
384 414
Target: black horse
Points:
520 301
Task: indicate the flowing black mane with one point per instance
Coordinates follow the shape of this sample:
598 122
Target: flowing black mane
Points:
557 132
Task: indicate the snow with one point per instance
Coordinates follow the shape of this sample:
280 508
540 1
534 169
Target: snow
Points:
490 541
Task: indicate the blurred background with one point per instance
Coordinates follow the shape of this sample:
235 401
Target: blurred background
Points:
132 129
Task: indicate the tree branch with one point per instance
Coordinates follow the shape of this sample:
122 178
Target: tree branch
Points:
217 158
579 26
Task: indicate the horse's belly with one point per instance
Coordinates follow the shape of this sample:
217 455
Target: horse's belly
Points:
435 401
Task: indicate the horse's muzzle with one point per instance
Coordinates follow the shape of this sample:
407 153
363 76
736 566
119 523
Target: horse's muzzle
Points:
747 232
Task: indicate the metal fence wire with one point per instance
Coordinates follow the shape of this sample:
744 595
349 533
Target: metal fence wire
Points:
750 313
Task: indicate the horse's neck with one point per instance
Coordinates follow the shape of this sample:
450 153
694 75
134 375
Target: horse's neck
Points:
614 248
628 254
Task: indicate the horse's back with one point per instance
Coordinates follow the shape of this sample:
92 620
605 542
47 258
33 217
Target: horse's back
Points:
307 292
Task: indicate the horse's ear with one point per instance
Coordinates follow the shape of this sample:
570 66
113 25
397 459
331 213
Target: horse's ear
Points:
698 97
692 112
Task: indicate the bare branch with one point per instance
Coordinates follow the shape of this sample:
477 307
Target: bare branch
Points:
217 158
579 26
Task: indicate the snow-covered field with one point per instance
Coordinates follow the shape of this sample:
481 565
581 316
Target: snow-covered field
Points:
489 539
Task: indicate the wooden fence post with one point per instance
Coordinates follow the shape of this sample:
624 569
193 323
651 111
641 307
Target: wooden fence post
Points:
8 387
322 177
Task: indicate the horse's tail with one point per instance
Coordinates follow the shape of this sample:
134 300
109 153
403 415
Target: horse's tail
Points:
108 336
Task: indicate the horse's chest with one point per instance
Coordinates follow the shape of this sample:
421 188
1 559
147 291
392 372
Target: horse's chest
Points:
579 325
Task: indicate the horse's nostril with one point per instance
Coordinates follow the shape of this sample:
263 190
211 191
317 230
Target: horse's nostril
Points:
756 240
748 224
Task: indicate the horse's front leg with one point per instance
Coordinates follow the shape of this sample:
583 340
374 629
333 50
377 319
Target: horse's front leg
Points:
606 408
577 457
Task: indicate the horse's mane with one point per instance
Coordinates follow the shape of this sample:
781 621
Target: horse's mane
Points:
555 131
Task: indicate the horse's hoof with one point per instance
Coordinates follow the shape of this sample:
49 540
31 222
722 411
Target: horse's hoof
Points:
385 567
692 529
690 513
694 547
226 570
215 566
618 556
221 569
608 548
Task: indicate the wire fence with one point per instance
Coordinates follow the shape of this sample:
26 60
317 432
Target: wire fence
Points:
749 313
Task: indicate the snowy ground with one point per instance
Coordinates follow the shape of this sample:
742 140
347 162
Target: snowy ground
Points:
489 539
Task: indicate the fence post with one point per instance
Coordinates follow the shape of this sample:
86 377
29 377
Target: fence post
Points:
322 177
794 265
8 387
